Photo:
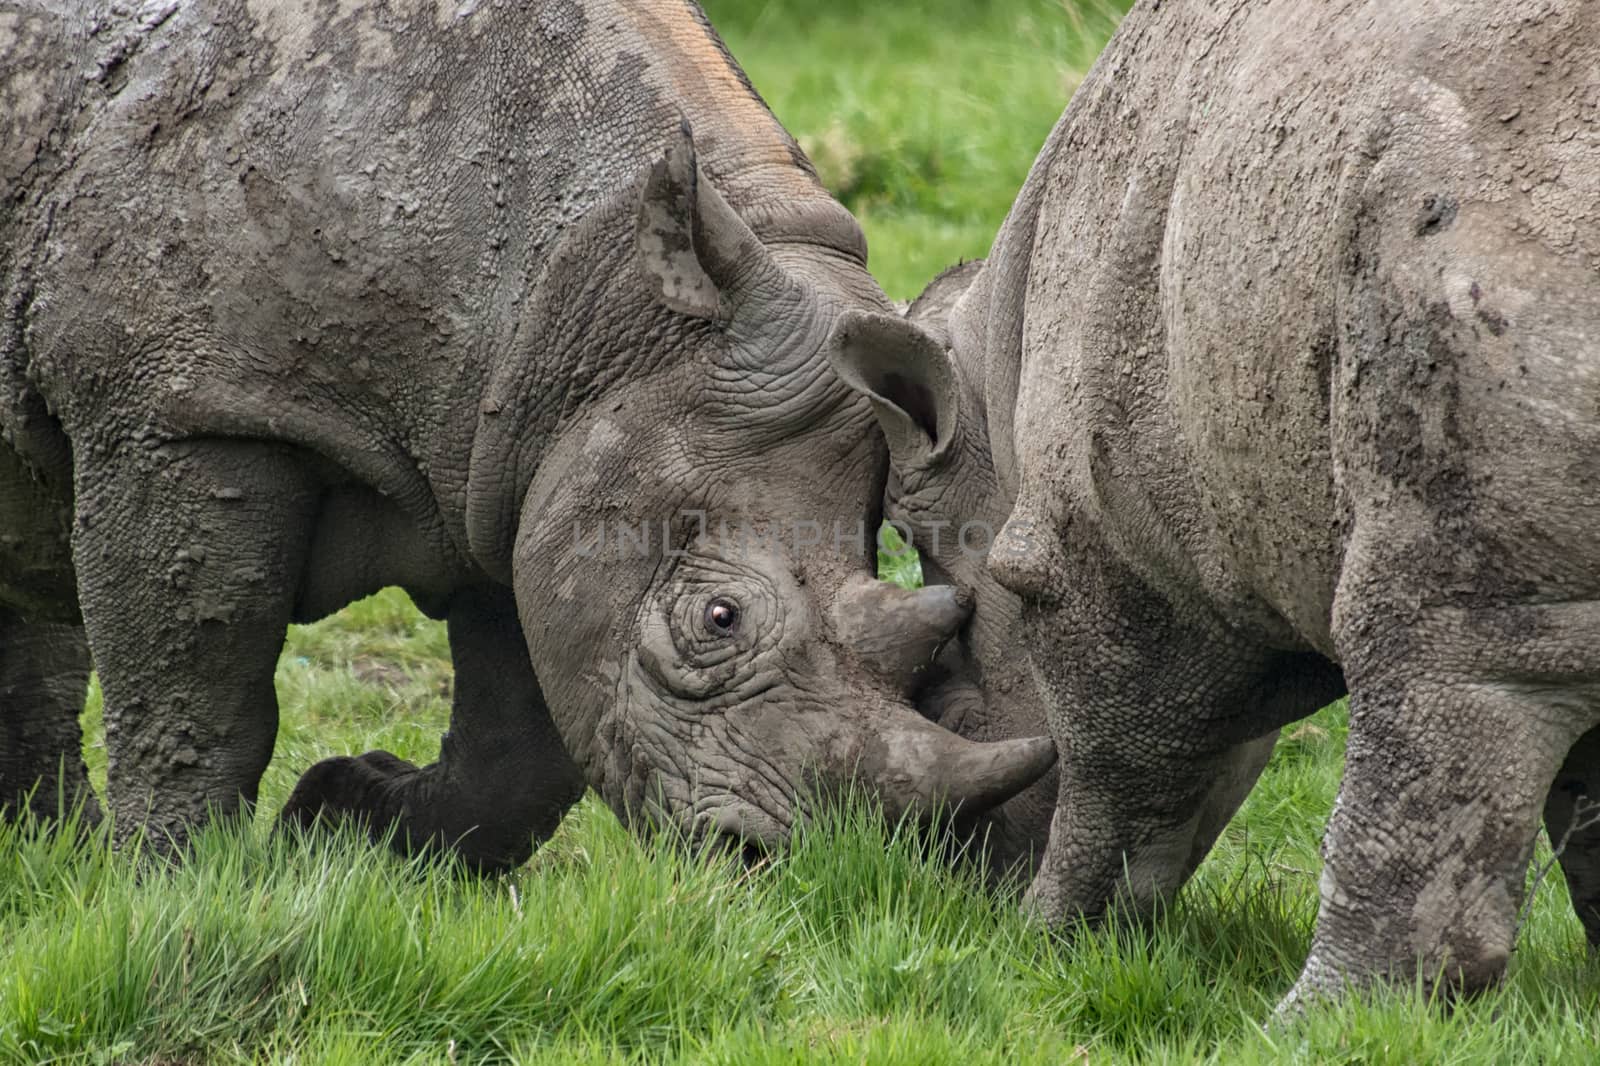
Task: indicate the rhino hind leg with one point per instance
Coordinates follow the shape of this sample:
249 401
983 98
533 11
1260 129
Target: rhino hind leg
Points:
503 780
44 670
1572 819
188 557
1469 595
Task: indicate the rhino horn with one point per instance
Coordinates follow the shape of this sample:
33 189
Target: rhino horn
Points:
917 768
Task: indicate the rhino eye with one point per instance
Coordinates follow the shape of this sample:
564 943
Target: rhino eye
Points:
722 617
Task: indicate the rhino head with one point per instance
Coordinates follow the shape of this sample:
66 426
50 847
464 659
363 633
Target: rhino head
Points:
693 557
925 380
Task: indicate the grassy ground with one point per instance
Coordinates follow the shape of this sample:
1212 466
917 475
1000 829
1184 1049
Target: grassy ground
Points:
925 115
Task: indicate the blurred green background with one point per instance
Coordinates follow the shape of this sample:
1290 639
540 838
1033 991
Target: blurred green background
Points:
922 116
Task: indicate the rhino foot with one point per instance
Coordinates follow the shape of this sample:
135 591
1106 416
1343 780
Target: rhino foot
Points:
503 780
364 790
426 810
343 787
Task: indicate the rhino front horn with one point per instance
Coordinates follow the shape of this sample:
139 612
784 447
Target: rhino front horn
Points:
917 768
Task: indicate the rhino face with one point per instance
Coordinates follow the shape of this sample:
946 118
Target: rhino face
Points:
692 560
945 496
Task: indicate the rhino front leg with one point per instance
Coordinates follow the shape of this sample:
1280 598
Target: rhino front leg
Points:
1459 722
1163 718
1113 841
188 559
44 670
503 779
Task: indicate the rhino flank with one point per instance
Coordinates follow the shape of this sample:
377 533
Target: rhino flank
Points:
306 299
1288 362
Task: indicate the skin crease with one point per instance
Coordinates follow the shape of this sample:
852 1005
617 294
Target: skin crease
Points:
1287 357
306 299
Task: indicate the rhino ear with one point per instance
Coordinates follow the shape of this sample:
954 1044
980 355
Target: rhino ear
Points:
908 377
695 252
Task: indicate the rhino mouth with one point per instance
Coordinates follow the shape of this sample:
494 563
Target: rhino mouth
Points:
751 855
753 837
718 845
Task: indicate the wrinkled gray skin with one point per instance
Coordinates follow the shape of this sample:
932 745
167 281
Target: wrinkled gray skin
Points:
1289 353
305 299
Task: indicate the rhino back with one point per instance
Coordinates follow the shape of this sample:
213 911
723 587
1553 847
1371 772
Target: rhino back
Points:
1196 380
323 221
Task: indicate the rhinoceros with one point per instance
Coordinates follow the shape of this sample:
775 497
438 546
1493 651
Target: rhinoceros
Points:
521 307
1287 360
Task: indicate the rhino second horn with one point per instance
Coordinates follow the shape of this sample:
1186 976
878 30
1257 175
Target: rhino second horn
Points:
896 632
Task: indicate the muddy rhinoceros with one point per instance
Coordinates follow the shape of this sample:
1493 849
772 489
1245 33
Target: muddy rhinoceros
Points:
521 307
1289 356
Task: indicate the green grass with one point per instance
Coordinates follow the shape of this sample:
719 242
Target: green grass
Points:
851 948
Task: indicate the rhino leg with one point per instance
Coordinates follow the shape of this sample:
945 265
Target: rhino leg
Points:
44 669
1469 593
503 779
1164 718
1459 723
188 558
1572 818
